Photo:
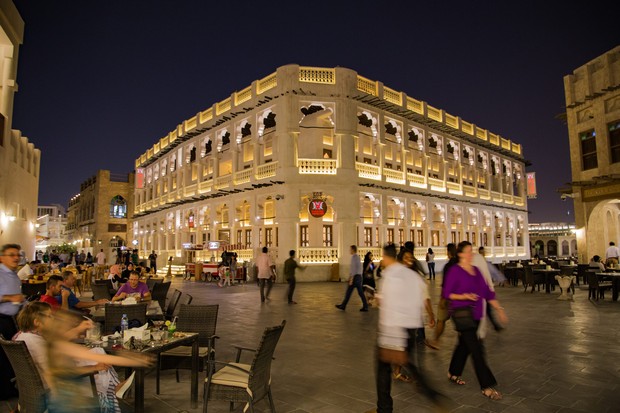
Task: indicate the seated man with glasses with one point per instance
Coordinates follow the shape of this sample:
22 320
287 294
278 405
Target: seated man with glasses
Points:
133 288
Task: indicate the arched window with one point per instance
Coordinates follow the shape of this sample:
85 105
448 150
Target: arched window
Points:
552 247
565 248
118 207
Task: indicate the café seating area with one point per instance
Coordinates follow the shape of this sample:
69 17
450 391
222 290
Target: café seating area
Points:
563 274
180 335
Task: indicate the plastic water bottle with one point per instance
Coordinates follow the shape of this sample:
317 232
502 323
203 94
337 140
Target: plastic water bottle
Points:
124 325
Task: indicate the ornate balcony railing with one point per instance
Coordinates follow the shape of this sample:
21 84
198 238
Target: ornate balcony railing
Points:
317 166
416 180
484 193
367 171
266 83
223 181
453 186
267 170
437 184
243 177
205 186
318 255
317 75
469 191
395 177
190 190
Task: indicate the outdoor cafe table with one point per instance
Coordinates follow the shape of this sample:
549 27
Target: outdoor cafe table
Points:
549 276
153 312
189 339
615 282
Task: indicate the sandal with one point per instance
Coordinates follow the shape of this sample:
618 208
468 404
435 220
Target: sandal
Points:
491 393
401 377
456 380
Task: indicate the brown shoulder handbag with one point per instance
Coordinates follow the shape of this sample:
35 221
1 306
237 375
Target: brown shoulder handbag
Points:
396 355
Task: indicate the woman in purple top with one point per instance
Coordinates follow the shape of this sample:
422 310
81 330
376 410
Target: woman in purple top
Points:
133 286
465 287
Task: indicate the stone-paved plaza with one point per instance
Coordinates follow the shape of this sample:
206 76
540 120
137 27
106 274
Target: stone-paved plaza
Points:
555 356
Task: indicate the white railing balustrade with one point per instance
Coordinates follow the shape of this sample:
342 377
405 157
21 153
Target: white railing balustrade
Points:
367 171
267 170
318 255
395 177
317 166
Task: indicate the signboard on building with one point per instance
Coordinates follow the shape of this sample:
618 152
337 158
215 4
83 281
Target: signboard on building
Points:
531 185
139 178
117 227
317 206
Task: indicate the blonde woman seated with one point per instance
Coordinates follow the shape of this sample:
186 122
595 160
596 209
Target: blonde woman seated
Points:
62 363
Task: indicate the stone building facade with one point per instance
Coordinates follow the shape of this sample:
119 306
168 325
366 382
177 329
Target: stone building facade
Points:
593 116
318 159
98 216
19 159
553 239
51 226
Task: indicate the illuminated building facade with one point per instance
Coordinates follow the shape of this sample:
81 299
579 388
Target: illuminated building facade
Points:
593 118
553 239
51 226
98 217
19 159
318 159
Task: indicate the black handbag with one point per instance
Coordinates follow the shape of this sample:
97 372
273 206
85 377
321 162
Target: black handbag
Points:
463 319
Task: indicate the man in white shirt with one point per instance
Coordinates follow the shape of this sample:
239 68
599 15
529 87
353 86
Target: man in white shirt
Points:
266 271
100 261
612 254
401 314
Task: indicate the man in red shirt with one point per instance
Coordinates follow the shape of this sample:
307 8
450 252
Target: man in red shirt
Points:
53 289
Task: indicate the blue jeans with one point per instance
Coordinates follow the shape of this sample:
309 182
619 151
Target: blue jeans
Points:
431 270
356 284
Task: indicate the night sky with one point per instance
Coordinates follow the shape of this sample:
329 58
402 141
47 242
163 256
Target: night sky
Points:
100 82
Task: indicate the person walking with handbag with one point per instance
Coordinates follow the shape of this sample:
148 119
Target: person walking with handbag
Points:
402 305
466 291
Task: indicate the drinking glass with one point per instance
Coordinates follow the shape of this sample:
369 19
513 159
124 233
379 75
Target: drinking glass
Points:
93 334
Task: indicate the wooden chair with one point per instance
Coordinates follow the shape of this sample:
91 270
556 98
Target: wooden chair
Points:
201 319
160 290
172 304
114 312
236 382
32 393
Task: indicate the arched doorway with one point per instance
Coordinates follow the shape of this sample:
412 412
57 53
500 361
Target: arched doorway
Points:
565 248
602 227
539 248
552 248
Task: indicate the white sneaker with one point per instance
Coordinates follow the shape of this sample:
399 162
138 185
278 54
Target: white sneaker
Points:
120 393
